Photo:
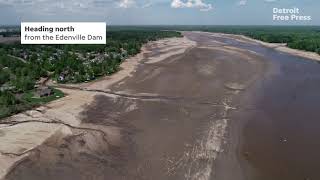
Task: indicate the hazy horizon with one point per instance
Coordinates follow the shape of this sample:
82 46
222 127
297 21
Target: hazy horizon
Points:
156 12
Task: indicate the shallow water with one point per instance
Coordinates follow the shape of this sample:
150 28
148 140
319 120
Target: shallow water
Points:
280 138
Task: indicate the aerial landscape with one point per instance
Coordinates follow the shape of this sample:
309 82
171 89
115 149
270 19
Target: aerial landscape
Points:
210 94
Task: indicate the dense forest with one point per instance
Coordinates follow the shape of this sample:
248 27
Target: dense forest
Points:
23 66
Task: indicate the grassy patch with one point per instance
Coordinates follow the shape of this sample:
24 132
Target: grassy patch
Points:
28 101
30 98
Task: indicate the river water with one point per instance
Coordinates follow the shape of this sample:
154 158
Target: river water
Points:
280 138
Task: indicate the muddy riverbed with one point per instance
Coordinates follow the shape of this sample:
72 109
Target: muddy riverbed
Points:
214 107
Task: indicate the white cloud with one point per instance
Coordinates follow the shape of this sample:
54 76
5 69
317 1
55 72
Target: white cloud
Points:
47 6
71 10
191 4
146 5
242 2
127 3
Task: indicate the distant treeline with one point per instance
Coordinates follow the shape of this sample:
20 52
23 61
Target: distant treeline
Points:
9 34
298 37
303 38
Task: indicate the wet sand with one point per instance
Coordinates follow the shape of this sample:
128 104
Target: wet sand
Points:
213 108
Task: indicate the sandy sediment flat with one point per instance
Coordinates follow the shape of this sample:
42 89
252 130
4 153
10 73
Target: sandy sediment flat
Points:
165 47
22 134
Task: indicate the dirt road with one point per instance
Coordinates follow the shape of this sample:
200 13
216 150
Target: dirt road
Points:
190 115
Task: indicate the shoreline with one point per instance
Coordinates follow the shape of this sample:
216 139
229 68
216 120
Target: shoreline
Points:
277 46
63 118
130 65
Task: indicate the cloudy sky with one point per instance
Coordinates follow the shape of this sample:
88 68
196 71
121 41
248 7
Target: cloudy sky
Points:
156 12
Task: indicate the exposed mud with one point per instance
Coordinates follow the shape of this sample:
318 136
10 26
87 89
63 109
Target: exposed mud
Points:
202 107
163 118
